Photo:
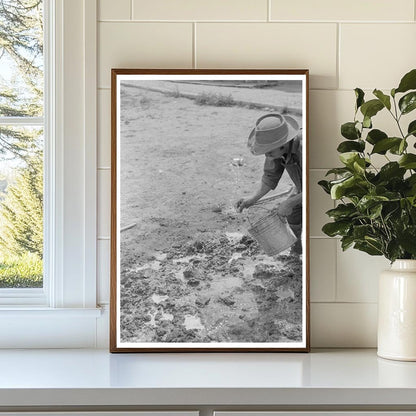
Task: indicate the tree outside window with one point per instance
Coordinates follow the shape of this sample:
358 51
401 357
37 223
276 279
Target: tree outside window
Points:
21 143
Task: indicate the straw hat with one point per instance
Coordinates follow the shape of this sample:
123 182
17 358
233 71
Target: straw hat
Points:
272 131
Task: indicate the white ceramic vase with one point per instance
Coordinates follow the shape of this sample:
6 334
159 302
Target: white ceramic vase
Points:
397 312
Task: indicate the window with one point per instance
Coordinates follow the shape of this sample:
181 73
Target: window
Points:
22 128
63 312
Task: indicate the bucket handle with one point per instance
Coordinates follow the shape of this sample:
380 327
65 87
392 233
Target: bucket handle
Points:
265 200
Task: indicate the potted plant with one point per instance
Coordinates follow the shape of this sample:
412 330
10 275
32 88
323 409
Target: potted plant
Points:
376 207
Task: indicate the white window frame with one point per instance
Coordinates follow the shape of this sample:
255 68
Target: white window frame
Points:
32 296
64 312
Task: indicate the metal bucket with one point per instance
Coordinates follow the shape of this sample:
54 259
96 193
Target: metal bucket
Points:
273 233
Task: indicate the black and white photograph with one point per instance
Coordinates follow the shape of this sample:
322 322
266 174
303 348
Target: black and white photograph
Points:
209 243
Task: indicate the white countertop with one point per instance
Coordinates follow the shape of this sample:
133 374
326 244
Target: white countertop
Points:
96 377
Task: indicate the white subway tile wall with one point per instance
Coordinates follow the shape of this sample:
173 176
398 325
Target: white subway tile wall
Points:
366 51
323 268
349 325
104 128
270 45
104 202
145 45
103 270
200 10
357 275
114 10
353 10
345 44
328 109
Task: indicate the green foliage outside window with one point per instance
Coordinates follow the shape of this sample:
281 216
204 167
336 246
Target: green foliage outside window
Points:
21 148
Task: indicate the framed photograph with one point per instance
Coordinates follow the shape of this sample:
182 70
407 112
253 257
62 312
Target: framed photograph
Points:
209 211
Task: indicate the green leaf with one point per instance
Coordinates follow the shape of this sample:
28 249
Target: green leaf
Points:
385 99
338 171
371 108
408 161
369 201
385 144
411 180
403 205
375 136
412 201
374 242
411 185
359 166
336 228
349 146
391 212
359 232
348 158
346 242
408 102
349 131
391 170
393 92
368 248
359 95
340 188
408 82
375 212
411 130
407 240
325 186
393 250
399 148
342 211
367 122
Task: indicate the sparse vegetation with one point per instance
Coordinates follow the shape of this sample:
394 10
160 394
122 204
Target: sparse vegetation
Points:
218 100
174 93
145 102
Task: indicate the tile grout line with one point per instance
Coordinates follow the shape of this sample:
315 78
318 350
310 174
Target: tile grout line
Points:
319 169
194 63
338 64
269 9
343 303
336 270
131 9
306 22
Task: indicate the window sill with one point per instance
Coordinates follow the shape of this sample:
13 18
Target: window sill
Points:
36 312
40 327
22 297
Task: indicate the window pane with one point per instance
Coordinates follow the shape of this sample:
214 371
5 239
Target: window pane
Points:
21 58
21 207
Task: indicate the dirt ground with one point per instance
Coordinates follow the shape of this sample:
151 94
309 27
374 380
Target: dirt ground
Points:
189 270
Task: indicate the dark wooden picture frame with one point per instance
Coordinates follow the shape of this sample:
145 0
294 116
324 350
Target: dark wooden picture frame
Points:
186 276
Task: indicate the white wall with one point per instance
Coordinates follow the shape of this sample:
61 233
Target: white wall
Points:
344 43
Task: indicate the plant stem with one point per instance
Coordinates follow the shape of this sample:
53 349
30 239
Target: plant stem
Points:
397 118
388 234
